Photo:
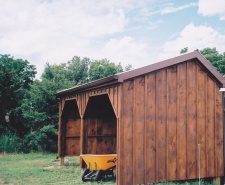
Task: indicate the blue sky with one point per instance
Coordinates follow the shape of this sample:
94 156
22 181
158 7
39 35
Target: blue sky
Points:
126 31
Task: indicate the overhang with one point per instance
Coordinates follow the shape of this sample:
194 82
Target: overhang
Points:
120 77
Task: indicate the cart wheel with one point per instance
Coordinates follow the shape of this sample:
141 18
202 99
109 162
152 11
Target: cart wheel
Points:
98 175
86 171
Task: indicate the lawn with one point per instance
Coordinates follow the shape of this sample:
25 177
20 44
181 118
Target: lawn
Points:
40 169
44 169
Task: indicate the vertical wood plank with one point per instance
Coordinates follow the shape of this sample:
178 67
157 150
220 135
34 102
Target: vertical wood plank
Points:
83 102
171 123
73 127
111 95
101 129
219 133
115 97
191 121
139 130
85 133
79 104
63 137
150 133
161 115
62 104
201 119
119 132
87 98
59 128
72 146
182 122
126 135
107 90
92 141
210 128
82 164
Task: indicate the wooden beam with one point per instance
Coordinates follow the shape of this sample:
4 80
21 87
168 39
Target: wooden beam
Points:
61 161
217 181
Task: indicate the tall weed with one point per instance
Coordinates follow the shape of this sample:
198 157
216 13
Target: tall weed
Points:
9 142
44 139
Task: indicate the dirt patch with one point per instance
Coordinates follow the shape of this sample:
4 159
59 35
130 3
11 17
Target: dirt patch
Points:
48 167
62 182
3 182
51 167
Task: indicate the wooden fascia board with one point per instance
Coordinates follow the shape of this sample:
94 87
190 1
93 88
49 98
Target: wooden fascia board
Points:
92 85
120 77
173 61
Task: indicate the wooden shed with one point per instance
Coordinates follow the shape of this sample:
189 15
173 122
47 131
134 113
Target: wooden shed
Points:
164 121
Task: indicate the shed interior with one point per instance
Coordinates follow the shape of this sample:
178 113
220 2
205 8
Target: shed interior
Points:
100 126
71 124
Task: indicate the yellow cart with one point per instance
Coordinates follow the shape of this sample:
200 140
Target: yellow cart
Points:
98 166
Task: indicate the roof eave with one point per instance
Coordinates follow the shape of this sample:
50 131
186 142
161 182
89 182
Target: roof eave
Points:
94 84
120 77
173 61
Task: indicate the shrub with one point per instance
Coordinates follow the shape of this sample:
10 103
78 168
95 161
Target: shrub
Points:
44 139
9 142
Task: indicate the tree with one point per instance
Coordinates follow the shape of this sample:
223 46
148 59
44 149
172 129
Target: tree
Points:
40 108
103 68
28 107
221 65
77 70
128 67
217 59
185 50
16 77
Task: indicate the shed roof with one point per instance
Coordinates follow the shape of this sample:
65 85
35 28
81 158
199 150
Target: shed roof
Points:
120 77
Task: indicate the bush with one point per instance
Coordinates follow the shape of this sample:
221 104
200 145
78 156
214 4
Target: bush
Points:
44 139
9 142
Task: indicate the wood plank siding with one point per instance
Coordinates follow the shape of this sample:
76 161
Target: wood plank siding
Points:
162 121
93 135
168 115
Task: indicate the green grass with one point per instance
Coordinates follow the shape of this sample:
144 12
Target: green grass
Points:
38 169
44 169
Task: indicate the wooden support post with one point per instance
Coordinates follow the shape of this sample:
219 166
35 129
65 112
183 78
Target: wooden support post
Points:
217 181
223 134
61 161
82 142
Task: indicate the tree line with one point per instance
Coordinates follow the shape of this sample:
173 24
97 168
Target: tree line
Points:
28 107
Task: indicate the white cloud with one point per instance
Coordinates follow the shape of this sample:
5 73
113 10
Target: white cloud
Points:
193 37
55 31
210 8
127 50
167 8
172 9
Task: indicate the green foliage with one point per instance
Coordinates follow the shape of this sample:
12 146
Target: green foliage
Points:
103 68
128 67
9 142
217 59
29 108
185 50
16 76
77 70
43 139
40 107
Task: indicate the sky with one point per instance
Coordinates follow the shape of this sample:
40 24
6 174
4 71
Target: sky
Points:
123 31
